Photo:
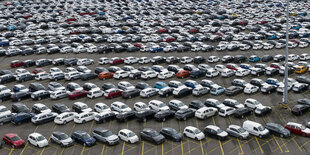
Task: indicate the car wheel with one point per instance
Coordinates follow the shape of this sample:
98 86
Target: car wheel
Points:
196 138
165 95
56 79
281 135
269 92
182 77
0 100
18 99
260 136
242 116
39 98
164 119
184 119
83 121
129 96
65 122
144 119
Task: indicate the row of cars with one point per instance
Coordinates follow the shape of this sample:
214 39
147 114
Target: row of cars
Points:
147 134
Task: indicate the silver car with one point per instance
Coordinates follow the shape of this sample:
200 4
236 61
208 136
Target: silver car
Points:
105 136
237 131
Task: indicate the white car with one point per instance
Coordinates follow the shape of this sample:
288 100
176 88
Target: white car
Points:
140 106
4 110
212 73
149 74
125 85
84 62
128 136
4 89
65 117
220 67
252 103
121 74
193 133
101 107
41 108
242 72
144 60
55 69
131 60
304 57
226 111
83 69
148 92
205 112
94 93
250 89
199 90
213 59
165 74
158 105
186 59
37 139
41 76
104 60
120 107
84 117
21 71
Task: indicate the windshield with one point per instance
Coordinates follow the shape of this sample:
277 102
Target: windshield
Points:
241 130
181 104
219 131
44 108
3 109
161 105
131 134
302 127
143 106
154 133
173 131
84 107
196 131
63 136
124 106
57 85
16 138
261 128
23 108
63 108
217 102
40 138
85 136
107 134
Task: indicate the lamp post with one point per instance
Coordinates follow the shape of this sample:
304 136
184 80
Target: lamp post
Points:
285 99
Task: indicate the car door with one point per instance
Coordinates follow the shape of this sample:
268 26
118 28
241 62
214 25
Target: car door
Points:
32 140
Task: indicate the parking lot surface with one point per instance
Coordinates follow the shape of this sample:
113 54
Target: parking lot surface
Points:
272 145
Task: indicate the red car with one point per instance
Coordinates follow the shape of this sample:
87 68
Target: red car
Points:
111 93
71 19
162 31
169 39
38 70
263 22
193 31
137 45
232 66
77 94
13 140
275 65
116 61
298 129
294 41
16 63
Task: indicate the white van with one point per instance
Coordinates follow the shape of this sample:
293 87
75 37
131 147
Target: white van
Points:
226 111
227 73
42 76
94 93
255 128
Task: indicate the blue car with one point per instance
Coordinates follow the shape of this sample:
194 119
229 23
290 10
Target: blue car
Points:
272 37
272 81
160 85
191 83
197 73
254 58
11 27
4 43
22 117
101 13
245 66
83 138
296 27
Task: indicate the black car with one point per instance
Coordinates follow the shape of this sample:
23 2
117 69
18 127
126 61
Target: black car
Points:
83 138
262 110
300 109
171 134
29 63
104 117
20 108
199 59
142 85
59 61
267 58
43 118
125 116
107 86
98 70
257 82
7 78
145 115
233 90
88 76
215 132
152 135
5 96
242 112
35 86
165 92
164 115
71 62
18 96
135 74
303 79
300 87
89 86
197 73
184 114
21 118
130 93
61 139
39 95
278 130
158 60
60 108
227 59
240 59
24 77
5 72
196 104
43 62
183 92
304 101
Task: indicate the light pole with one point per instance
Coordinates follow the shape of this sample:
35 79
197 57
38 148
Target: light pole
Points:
285 100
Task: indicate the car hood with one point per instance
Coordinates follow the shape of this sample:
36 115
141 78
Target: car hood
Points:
159 137
68 140
112 138
19 142
178 136
307 130
223 134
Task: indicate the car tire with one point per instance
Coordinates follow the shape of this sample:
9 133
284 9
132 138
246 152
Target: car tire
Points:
281 135
144 119
242 116
164 119
39 98
65 122
83 121
184 119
